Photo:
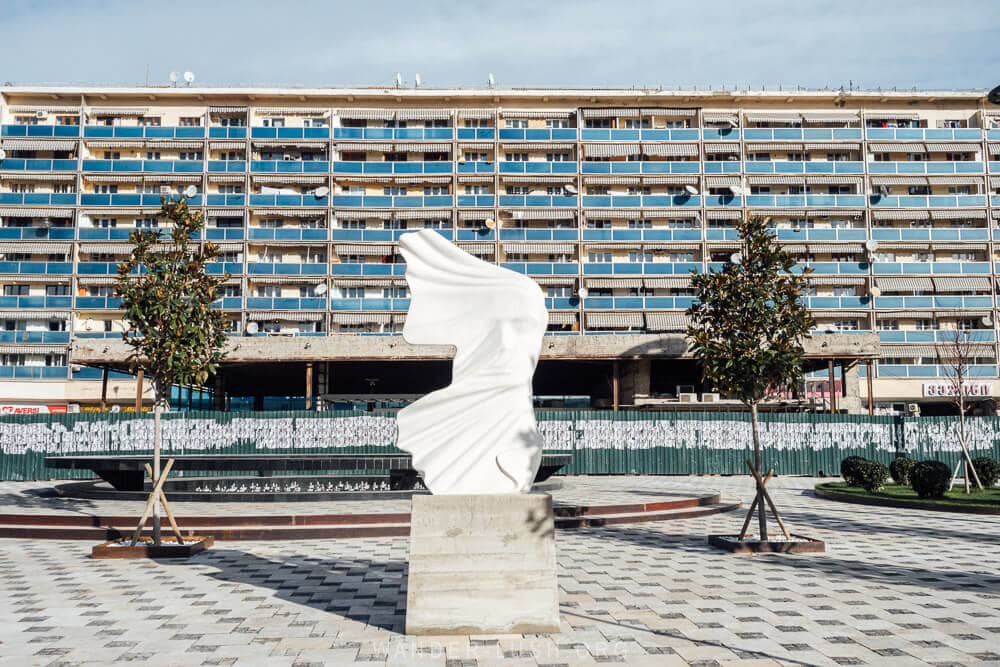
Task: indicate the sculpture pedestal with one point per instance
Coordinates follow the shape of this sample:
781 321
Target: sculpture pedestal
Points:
483 564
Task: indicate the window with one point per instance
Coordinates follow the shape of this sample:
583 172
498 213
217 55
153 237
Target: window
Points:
928 325
57 325
887 325
190 121
680 257
759 157
12 359
314 122
108 189
67 120
152 155
516 157
189 155
965 325
101 290
957 157
394 190
963 256
916 157
477 157
436 224
766 189
557 157
231 291
837 157
598 123
640 224
599 257
230 155
960 190
233 189
268 256
598 190
556 190
352 292
435 190
516 123
846 325
437 122
268 291
149 189
558 292
57 290
884 256
598 224
395 293
395 123
394 224
272 223
15 290
273 122
798 157
918 190
356 259
882 157
518 190
232 121
556 123
845 291
923 257
640 256
353 224
839 189
26 120
146 223
22 187
477 122
477 189
639 190
63 188
636 123
149 121
229 257
951 123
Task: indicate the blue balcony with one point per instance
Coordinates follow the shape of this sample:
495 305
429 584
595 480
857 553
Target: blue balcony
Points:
290 166
36 233
221 268
537 167
786 167
477 133
927 167
389 201
641 234
638 302
37 199
928 268
403 168
227 133
289 200
393 133
481 234
40 301
720 134
369 304
37 268
911 302
642 167
286 269
353 269
224 233
34 372
833 268
636 201
912 336
381 235
923 134
289 133
97 268
287 234
475 167
34 336
226 166
836 234
994 167
226 200
561 303
544 268
538 134
473 201
69 131
802 134
113 234
931 371
147 166
680 134
538 201
995 200
848 201
98 303
925 201
723 201
149 132
91 199
929 234
286 303
728 167
228 303
640 268
32 164
721 234
834 302
535 234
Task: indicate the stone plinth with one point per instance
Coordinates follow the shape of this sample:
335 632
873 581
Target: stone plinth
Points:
483 564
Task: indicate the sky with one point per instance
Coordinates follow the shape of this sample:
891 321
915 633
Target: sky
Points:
928 44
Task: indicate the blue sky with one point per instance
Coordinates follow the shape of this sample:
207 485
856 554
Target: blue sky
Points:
615 43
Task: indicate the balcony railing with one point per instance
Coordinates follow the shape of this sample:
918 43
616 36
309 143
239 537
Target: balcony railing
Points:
537 167
154 166
289 133
640 268
833 268
369 303
37 268
389 201
34 336
287 234
354 269
93 199
38 199
638 302
636 201
932 371
538 134
530 234
394 133
37 233
544 268
286 269
380 235
891 302
923 134
476 167
477 133
290 166
680 134
930 234
788 167
289 200
286 303
925 201
220 268
225 200
834 302
640 167
228 303
849 201
36 301
135 132
34 164
41 131
34 372
472 201
926 167
641 234
801 134
946 336
98 303
224 233
226 166
835 234
480 234
227 133
388 168
727 167
925 268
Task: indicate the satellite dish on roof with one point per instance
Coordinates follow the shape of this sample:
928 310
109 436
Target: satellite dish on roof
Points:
174 77
690 189
399 80
491 80
570 188
252 328
189 77
417 80
321 191
320 289
190 191
994 95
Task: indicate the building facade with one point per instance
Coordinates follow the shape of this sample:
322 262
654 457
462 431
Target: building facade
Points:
609 199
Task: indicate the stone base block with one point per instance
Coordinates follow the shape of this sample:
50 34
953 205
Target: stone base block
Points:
482 565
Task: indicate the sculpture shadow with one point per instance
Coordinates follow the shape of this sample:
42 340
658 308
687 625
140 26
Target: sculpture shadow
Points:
361 589
47 499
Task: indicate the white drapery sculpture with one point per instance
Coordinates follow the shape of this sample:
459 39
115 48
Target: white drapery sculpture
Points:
477 435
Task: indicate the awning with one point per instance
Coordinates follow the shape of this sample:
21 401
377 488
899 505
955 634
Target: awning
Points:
289 178
904 284
892 115
614 320
719 117
423 147
723 215
772 146
620 245
613 283
227 145
530 113
539 248
668 112
359 318
33 349
911 147
541 179
226 178
724 147
835 147
33 315
286 280
613 214
29 278
540 214
964 284
901 215
813 279
562 317
479 249
773 117
537 146
36 212
228 109
290 143
365 249
98 280
476 114
22 108
423 114
47 248
106 248
722 181
829 117
273 315
367 114
284 212
616 112
293 111
117 111
174 144
670 150
38 145
667 283
610 150
952 147
555 280
667 321
899 180
423 214
961 214
16 177
116 143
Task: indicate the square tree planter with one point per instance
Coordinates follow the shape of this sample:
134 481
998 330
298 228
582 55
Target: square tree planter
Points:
796 545
144 548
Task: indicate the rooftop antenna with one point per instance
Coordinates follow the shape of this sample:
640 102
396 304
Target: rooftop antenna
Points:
399 80
491 80
174 78
189 78
417 81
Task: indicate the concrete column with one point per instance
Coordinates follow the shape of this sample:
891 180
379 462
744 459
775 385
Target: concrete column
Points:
851 393
139 382
634 381
104 389
309 385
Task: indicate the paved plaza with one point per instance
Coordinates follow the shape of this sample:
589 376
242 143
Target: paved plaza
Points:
895 587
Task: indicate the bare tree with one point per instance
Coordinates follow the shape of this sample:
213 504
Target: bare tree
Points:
956 355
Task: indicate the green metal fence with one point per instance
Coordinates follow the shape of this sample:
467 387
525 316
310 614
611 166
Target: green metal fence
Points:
602 442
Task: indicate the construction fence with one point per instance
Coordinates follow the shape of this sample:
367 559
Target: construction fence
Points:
602 442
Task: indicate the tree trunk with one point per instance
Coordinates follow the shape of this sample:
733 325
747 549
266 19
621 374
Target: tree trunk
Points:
160 400
758 463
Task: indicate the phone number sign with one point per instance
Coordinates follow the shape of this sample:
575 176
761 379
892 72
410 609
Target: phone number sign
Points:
948 389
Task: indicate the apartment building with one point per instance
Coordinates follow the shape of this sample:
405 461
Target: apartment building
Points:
609 199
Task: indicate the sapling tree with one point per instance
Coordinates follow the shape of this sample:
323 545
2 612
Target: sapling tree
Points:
747 329
166 292
956 354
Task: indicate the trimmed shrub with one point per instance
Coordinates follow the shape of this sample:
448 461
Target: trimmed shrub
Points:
900 468
872 476
850 469
988 470
930 479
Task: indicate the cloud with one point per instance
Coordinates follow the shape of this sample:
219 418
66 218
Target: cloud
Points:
612 43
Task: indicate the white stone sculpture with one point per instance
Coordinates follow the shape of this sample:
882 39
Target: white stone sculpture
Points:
477 435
